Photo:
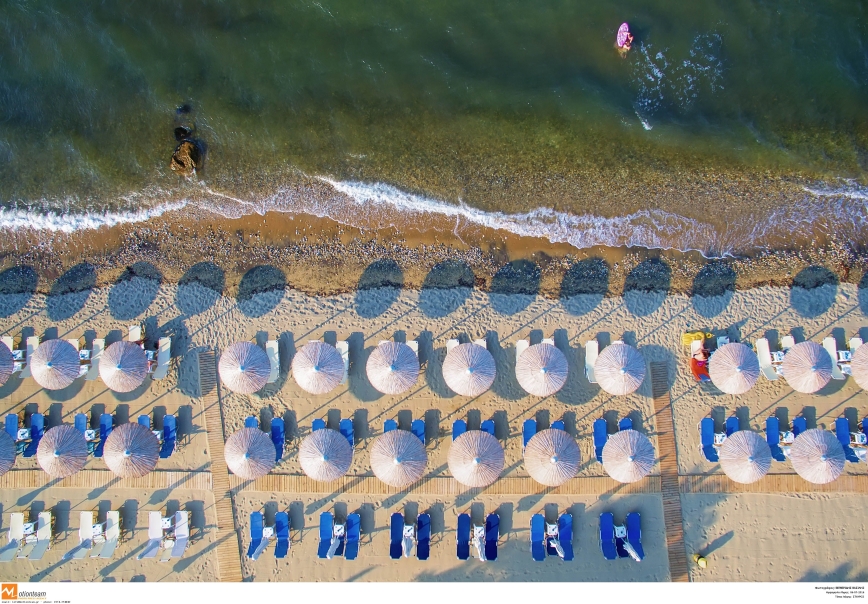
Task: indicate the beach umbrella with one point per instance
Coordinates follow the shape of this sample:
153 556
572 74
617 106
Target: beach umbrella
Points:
541 369
745 456
393 368
734 368
55 364
859 366
620 369
807 367
817 456
318 367
475 458
131 450
7 363
249 453
7 453
123 366
552 457
398 458
325 455
469 369
62 451
244 367
628 456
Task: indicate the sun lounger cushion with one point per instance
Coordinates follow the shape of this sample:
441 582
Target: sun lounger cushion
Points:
12 426
318 424
281 531
463 537
488 426
390 425
492 534
565 535
417 427
37 429
423 536
155 535
15 537
558 425
625 424
353 533
773 437
255 534
182 533
528 430
459 427
800 424
105 428
731 425
170 433
396 536
537 537
607 536
842 431
326 527
80 422
251 422
601 435
278 437
634 533
706 434
43 536
112 534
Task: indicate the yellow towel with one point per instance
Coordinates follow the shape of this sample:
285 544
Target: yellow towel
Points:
692 336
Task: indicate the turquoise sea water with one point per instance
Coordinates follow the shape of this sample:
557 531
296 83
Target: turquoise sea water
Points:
513 114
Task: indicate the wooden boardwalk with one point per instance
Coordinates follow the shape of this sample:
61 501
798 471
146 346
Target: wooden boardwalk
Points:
669 482
96 479
228 537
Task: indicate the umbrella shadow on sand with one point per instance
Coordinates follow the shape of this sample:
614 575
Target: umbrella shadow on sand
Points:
17 286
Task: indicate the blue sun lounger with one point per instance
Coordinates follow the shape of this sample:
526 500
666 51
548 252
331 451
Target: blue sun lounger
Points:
317 424
537 537
12 426
396 536
634 533
706 437
423 536
80 423
390 425
800 424
488 426
601 435
528 430
326 528
105 428
278 436
170 433
558 425
348 432
731 425
842 431
462 537
607 536
353 534
417 427
492 534
773 438
625 424
459 427
37 429
565 535
257 541
281 531
144 420
251 422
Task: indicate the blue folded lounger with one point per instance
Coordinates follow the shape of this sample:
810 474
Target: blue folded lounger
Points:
255 534
842 431
634 534
278 437
706 436
459 427
37 430
170 432
537 537
625 424
353 533
105 428
731 425
528 430
601 435
317 424
326 527
417 427
396 536
463 537
423 536
281 531
12 426
558 425
565 535
251 422
348 431
607 536
492 534
800 424
389 425
80 422
143 420
488 426
773 438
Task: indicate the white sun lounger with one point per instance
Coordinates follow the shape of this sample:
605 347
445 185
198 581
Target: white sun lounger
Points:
273 351
15 537
482 343
549 341
83 369
520 347
764 355
32 345
450 344
95 355
43 536
182 534
164 354
832 348
155 536
85 537
112 533
134 333
414 346
344 348
10 344
855 343
592 348
787 342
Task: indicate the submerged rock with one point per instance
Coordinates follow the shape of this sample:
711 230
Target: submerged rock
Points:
186 159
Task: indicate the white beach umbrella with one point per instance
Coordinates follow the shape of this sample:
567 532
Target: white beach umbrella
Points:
131 450
318 367
325 455
475 458
55 364
745 457
807 367
7 363
244 367
398 458
620 369
817 456
7 453
734 368
393 368
552 457
249 453
541 369
469 369
628 456
62 451
123 366
859 366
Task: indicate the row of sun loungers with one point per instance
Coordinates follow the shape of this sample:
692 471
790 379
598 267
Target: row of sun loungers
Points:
27 539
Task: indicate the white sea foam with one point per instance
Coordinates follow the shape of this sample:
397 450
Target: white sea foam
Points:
70 222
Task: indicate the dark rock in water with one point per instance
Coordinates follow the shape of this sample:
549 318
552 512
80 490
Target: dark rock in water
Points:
186 159
182 132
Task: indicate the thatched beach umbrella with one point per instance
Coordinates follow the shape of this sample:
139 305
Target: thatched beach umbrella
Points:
244 367
620 369
398 458
541 369
55 364
859 366
249 453
7 453
123 366
131 450
807 367
552 457
393 368
325 455
7 363
745 457
475 458
62 451
628 456
469 369
817 456
734 368
318 367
